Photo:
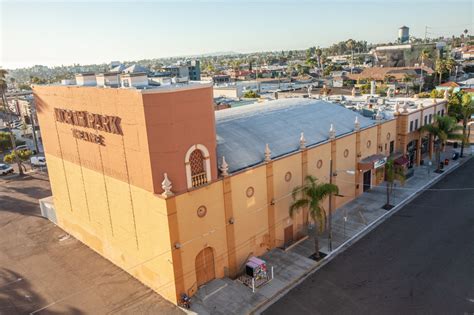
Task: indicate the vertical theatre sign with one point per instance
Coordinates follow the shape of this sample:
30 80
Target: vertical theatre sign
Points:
110 124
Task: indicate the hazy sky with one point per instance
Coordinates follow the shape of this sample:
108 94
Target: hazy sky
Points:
66 32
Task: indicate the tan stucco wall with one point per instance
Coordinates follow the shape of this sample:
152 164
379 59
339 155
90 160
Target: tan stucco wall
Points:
197 233
97 210
250 213
344 181
283 198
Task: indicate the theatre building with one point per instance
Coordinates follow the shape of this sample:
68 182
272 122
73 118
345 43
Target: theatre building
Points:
176 194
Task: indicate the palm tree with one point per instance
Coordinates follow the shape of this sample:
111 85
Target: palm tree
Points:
424 55
311 196
467 110
3 91
406 79
392 173
450 65
440 68
319 53
442 129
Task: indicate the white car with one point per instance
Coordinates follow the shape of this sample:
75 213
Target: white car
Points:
5 169
38 161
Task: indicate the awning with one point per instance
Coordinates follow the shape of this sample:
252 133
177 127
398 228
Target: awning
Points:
372 162
401 160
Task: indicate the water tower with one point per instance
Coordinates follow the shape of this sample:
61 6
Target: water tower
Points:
403 34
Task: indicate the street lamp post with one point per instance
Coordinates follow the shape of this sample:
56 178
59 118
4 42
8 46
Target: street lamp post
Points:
331 174
330 209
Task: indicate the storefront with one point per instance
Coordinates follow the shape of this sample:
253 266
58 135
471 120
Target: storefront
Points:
372 166
425 146
412 152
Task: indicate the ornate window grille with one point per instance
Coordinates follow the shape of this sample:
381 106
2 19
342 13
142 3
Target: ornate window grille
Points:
198 168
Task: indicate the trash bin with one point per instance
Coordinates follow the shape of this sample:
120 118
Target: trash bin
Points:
446 161
441 165
455 145
455 156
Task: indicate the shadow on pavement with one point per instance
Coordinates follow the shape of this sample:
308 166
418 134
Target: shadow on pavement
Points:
18 297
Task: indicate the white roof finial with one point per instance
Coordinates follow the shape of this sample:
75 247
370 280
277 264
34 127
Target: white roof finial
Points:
302 141
357 123
332 132
166 185
268 153
378 116
224 167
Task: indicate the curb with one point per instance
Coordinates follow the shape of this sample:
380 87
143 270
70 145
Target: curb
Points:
341 248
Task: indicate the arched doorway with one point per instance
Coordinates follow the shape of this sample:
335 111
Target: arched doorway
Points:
205 266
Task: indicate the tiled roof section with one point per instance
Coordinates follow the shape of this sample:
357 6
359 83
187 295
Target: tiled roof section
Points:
243 132
379 73
449 84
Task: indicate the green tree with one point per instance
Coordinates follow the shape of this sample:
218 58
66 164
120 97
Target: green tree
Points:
393 173
251 94
407 79
311 196
440 68
3 91
450 65
442 129
23 155
463 113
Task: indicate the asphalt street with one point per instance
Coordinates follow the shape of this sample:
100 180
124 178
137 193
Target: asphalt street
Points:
42 268
419 261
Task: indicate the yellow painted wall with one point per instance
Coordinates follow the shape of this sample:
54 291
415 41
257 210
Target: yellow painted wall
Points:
197 233
83 199
251 214
344 181
282 195
368 142
323 153
389 133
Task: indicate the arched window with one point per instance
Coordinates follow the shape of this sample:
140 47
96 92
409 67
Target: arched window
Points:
198 167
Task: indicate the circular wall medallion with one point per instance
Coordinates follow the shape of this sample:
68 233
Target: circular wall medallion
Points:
287 176
201 211
388 135
369 143
319 164
346 153
249 192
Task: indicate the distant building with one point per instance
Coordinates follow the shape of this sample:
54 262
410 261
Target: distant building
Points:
190 69
396 73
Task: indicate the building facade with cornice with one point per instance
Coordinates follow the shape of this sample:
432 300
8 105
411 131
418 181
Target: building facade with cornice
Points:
176 194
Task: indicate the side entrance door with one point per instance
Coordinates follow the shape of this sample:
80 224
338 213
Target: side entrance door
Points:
205 266
367 176
288 231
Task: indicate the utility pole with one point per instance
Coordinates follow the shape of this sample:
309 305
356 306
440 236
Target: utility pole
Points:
33 127
330 210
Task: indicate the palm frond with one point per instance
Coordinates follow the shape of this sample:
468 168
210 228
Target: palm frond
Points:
297 205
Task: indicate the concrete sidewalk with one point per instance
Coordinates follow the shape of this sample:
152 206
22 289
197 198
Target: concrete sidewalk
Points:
350 222
358 214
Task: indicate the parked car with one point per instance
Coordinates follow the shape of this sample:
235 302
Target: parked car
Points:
38 161
5 169
22 147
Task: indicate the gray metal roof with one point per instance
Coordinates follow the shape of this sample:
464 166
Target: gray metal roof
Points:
242 132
